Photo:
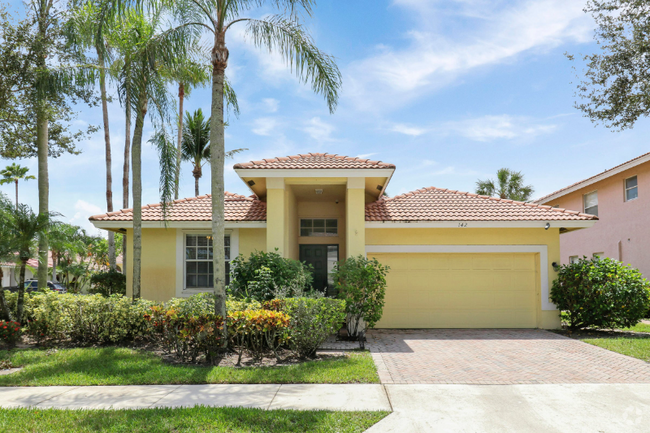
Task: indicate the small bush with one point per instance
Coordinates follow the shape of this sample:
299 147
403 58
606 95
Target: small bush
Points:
108 283
257 332
311 322
361 282
10 333
601 293
264 276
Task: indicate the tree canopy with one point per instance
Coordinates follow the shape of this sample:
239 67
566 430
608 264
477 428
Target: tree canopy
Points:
508 184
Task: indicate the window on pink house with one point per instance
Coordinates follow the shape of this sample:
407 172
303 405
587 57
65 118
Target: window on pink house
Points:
631 188
591 203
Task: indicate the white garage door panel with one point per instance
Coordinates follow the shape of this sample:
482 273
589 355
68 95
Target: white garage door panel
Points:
460 290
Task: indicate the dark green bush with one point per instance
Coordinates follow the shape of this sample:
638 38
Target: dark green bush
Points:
265 276
108 283
361 282
601 293
311 321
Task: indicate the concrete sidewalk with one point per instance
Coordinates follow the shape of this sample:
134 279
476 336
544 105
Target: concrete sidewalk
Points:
304 397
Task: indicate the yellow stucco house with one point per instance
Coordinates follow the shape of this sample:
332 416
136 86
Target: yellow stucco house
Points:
458 260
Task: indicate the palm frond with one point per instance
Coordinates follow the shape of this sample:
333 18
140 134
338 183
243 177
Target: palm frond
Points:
167 155
295 45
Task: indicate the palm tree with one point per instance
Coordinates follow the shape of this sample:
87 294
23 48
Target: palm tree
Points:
6 250
153 56
25 227
12 174
196 144
88 29
283 33
509 185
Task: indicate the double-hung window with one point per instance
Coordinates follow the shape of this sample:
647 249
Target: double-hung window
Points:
199 270
631 188
591 203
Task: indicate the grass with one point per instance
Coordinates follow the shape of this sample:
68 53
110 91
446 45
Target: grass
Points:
122 366
639 327
635 347
197 419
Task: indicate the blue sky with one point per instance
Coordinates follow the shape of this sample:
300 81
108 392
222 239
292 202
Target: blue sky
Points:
448 90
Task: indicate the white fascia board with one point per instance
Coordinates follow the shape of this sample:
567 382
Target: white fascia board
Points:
299 172
597 178
477 224
542 250
178 224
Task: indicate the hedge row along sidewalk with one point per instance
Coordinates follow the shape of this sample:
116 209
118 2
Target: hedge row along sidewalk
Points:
122 366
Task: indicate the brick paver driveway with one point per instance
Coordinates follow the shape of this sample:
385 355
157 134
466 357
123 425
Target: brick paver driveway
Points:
497 356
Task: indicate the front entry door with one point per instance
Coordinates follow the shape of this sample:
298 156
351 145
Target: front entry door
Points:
322 258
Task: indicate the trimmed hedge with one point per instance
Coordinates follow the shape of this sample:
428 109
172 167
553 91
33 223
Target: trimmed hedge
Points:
601 293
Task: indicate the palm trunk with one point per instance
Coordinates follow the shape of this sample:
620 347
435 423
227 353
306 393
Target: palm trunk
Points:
16 193
181 98
196 186
107 142
54 261
43 192
125 172
4 309
137 194
217 154
20 304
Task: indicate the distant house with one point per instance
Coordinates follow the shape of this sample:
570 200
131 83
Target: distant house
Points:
620 197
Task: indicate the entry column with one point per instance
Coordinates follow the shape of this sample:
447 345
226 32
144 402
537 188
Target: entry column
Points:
355 215
275 215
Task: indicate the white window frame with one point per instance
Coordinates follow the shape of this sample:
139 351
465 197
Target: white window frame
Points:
598 255
181 290
626 189
584 202
573 259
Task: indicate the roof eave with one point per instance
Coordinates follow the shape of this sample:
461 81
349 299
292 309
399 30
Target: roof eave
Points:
565 224
199 225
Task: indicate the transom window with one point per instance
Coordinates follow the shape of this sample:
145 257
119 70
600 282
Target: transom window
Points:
199 271
591 203
631 188
319 227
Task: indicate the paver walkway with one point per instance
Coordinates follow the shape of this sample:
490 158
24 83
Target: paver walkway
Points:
497 356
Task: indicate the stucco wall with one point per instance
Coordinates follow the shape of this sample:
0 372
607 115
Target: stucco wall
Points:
619 221
251 240
480 236
158 279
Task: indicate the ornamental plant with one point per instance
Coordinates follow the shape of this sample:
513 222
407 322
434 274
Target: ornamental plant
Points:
108 283
361 283
10 332
601 293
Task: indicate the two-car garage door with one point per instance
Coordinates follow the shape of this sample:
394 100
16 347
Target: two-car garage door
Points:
460 290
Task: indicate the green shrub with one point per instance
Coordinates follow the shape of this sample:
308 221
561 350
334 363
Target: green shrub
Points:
601 293
9 333
264 276
361 282
257 332
108 283
311 322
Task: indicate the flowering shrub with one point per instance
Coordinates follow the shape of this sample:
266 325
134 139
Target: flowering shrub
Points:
9 333
257 332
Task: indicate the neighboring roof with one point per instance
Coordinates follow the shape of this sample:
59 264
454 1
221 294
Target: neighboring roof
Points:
237 208
593 179
436 204
314 161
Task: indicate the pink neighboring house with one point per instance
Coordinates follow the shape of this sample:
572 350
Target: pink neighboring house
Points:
620 197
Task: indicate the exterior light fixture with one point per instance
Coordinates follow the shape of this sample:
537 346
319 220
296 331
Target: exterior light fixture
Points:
251 182
319 191
379 187
556 267
547 226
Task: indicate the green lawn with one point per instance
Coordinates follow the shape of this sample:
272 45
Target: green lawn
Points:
636 347
639 327
121 366
197 419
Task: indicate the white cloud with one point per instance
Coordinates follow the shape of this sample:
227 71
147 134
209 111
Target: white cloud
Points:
408 130
271 105
84 210
366 155
318 130
264 126
432 60
502 127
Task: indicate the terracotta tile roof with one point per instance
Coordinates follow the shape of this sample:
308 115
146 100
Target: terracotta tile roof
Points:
237 208
436 204
602 175
314 161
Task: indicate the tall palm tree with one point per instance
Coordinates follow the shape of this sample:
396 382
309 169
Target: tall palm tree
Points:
509 184
89 27
6 250
25 227
154 55
196 144
12 174
283 33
